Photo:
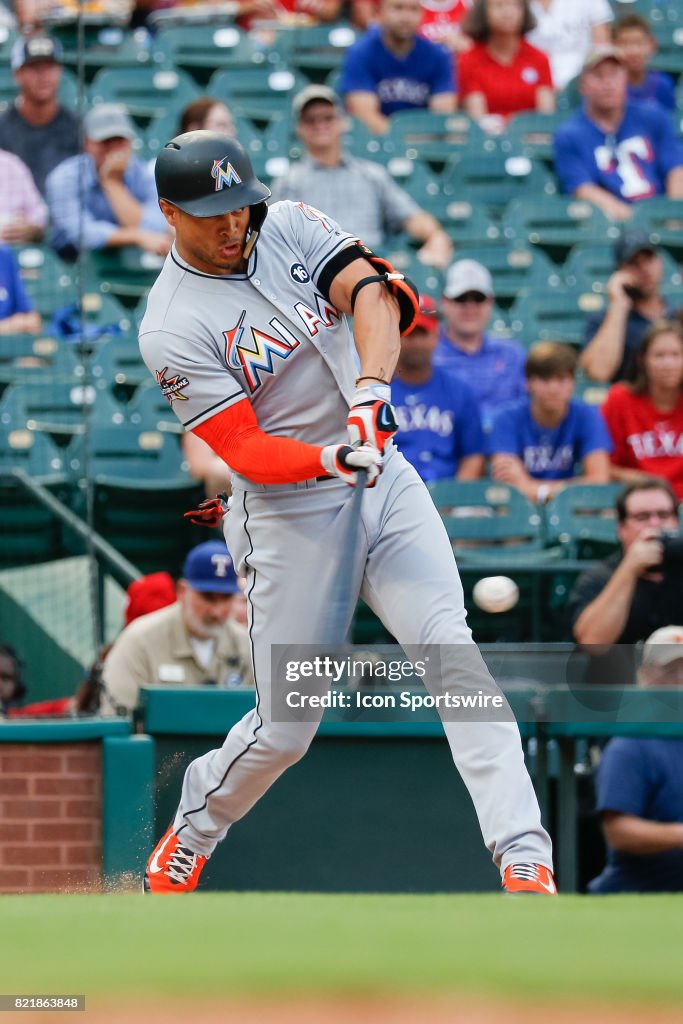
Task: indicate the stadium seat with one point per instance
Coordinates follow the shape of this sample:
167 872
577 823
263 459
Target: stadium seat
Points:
532 134
591 266
669 55
105 44
141 489
555 224
496 179
558 315
56 362
60 407
467 223
259 92
318 50
485 519
117 367
147 92
515 271
150 410
127 272
48 282
583 521
663 218
201 49
30 532
435 138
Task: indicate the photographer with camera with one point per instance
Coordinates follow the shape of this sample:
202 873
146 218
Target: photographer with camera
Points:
639 589
634 302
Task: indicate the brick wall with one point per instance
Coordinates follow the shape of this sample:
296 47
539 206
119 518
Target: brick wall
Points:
50 816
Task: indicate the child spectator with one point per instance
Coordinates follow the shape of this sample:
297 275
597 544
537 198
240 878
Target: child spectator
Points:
634 40
549 439
439 428
503 74
645 419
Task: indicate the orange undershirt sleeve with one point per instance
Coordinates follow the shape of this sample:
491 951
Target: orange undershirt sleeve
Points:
234 435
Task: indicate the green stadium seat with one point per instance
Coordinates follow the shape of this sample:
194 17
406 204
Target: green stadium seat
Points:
467 222
150 410
30 532
202 49
663 218
60 406
590 391
555 224
669 55
583 521
258 92
558 315
591 266
515 271
532 134
497 179
128 273
147 92
117 367
487 519
106 44
318 50
49 283
141 489
435 139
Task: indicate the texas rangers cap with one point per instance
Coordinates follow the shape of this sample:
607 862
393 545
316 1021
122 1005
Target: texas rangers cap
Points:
630 242
600 53
313 94
31 49
209 569
108 121
663 646
428 317
467 276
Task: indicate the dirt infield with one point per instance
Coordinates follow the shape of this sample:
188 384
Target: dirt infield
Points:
358 1011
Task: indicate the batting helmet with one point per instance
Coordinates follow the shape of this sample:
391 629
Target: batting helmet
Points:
208 173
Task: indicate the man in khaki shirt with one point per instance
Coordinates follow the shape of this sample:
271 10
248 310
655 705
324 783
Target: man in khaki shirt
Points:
192 642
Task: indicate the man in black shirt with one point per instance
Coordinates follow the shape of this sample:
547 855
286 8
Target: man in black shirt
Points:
634 592
35 127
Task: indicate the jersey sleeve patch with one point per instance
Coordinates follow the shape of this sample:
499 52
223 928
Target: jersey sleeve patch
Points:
172 388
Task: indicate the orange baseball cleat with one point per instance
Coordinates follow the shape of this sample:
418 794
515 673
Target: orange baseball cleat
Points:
529 878
172 867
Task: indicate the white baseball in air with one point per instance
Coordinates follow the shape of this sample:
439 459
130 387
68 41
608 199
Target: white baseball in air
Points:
495 594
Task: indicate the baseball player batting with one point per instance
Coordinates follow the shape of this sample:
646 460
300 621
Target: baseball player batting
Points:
246 334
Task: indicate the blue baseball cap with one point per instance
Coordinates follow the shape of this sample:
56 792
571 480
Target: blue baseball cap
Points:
209 569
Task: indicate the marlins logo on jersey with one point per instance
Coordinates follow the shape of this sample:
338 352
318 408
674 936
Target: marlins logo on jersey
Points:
224 176
257 357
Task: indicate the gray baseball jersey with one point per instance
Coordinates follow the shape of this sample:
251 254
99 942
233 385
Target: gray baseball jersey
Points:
272 336
269 335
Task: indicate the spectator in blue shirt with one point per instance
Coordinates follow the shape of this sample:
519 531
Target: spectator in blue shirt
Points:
492 367
439 429
633 37
615 152
17 315
549 439
393 68
640 791
105 197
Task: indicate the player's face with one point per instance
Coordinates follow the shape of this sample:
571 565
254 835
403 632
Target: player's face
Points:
400 19
664 361
467 315
552 395
213 245
649 511
204 614
39 80
605 86
505 15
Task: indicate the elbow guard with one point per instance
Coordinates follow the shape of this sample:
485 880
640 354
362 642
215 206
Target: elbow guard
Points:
400 286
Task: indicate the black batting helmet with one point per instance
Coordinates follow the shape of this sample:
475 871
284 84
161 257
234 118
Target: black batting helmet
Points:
208 173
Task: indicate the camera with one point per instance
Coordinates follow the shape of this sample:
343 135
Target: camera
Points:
672 544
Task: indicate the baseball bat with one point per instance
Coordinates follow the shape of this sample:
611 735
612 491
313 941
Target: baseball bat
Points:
341 600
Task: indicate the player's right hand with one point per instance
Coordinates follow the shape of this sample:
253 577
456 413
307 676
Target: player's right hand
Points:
343 461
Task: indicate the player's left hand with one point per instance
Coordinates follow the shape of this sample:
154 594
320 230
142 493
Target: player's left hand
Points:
371 418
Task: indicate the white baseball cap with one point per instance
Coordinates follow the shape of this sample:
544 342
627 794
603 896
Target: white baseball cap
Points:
467 276
108 121
663 646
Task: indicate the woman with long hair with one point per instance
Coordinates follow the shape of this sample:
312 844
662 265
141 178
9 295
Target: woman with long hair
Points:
645 418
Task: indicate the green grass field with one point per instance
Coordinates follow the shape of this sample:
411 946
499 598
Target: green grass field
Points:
616 949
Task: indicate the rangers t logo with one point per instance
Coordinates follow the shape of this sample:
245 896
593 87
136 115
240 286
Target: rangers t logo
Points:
224 176
254 361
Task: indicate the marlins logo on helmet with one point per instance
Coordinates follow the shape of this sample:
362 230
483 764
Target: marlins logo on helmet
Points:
224 176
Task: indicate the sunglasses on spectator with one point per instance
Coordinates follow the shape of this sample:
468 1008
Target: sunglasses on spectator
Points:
312 119
477 297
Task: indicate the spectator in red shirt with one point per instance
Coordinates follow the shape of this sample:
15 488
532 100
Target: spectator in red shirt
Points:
442 23
503 74
645 418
